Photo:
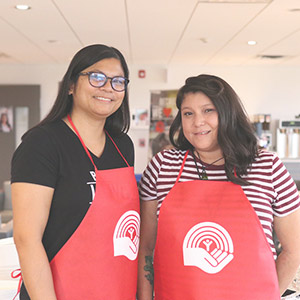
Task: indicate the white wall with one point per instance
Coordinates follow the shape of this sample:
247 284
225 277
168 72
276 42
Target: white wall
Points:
271 90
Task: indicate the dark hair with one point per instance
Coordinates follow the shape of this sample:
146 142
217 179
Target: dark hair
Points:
236 135
119 121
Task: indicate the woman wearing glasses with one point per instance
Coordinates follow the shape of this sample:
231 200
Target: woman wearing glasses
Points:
75 199
209 206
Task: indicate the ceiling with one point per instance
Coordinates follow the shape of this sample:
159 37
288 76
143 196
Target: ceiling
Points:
163 32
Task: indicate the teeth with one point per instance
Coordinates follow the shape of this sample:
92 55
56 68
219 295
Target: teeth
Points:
103 99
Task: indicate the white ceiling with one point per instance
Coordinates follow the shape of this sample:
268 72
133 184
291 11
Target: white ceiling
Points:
163 32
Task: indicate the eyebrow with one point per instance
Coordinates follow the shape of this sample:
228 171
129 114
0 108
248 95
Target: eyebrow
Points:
188 107
98 71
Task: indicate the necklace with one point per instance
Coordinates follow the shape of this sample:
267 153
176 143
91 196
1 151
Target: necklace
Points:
203 175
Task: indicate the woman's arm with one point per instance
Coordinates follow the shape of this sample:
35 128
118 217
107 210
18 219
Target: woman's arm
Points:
31 206
288 232
147 245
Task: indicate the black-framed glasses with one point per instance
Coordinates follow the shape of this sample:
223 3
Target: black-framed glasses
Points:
98 79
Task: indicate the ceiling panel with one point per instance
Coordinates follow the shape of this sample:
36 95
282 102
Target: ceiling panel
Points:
152 32
98 21
156 26
207 35
272 32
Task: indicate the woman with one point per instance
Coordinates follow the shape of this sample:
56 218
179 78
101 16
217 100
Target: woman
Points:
75 198
216 198
4 123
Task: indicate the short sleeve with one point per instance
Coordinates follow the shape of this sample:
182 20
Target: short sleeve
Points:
36 160
287 195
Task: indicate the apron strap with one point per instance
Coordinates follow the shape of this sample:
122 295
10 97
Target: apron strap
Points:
181 169
87 151
182 165
83 144
18 274
117 148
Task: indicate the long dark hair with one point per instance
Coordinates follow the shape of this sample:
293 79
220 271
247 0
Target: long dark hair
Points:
236 135
119 121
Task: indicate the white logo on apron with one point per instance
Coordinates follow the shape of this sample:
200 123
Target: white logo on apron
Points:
207 246
127 235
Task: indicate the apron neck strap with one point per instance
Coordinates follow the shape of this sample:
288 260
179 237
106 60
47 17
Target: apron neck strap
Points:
87 151
182 165
184 159
117 148
82 142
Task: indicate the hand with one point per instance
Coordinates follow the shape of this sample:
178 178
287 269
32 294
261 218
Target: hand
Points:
126 235
210 262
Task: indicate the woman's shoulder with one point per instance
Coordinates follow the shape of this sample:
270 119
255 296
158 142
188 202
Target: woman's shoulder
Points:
264 156
267 162
43 139
122 140
169 157
43 132
123 143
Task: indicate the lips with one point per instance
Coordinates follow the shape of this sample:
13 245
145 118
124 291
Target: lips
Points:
103 98
203 132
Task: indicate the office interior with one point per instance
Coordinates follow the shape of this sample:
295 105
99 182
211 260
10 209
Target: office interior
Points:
253 45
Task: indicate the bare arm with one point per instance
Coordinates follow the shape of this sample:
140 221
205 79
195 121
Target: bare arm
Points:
288 233
31 206
147 245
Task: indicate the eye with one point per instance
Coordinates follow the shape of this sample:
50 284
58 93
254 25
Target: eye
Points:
97 76
187 113
119 80
208 110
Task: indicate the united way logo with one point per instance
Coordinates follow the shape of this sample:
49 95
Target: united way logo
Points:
127 235
207 246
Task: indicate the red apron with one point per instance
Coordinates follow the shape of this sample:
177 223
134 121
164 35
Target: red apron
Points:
99 261
211 245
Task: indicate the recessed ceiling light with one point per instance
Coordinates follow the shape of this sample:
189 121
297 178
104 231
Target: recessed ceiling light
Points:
252 43
22 7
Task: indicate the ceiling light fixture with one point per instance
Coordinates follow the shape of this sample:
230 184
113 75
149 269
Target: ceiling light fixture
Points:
252 43
22 7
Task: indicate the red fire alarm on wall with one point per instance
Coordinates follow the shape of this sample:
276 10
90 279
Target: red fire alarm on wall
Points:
142 73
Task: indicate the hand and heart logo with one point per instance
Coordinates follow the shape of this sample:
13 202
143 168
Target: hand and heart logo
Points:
127 235
207 246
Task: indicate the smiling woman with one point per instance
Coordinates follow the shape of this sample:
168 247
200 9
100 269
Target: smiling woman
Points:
63 175
209 206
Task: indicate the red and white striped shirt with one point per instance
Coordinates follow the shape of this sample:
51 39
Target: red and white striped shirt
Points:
272 190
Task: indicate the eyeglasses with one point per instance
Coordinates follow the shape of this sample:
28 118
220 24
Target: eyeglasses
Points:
97 79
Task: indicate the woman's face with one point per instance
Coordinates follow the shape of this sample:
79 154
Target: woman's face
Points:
4 118
98 102
200 123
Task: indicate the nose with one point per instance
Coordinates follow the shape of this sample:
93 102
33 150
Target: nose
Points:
107 85
199 120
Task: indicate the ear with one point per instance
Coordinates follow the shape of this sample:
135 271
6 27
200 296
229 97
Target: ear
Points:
71 89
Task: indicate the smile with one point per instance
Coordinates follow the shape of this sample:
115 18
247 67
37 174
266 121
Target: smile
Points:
203 132
103 99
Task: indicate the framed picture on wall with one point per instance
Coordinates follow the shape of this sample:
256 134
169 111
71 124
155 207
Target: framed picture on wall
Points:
6 119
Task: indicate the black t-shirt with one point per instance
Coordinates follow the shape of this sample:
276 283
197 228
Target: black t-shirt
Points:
52 155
